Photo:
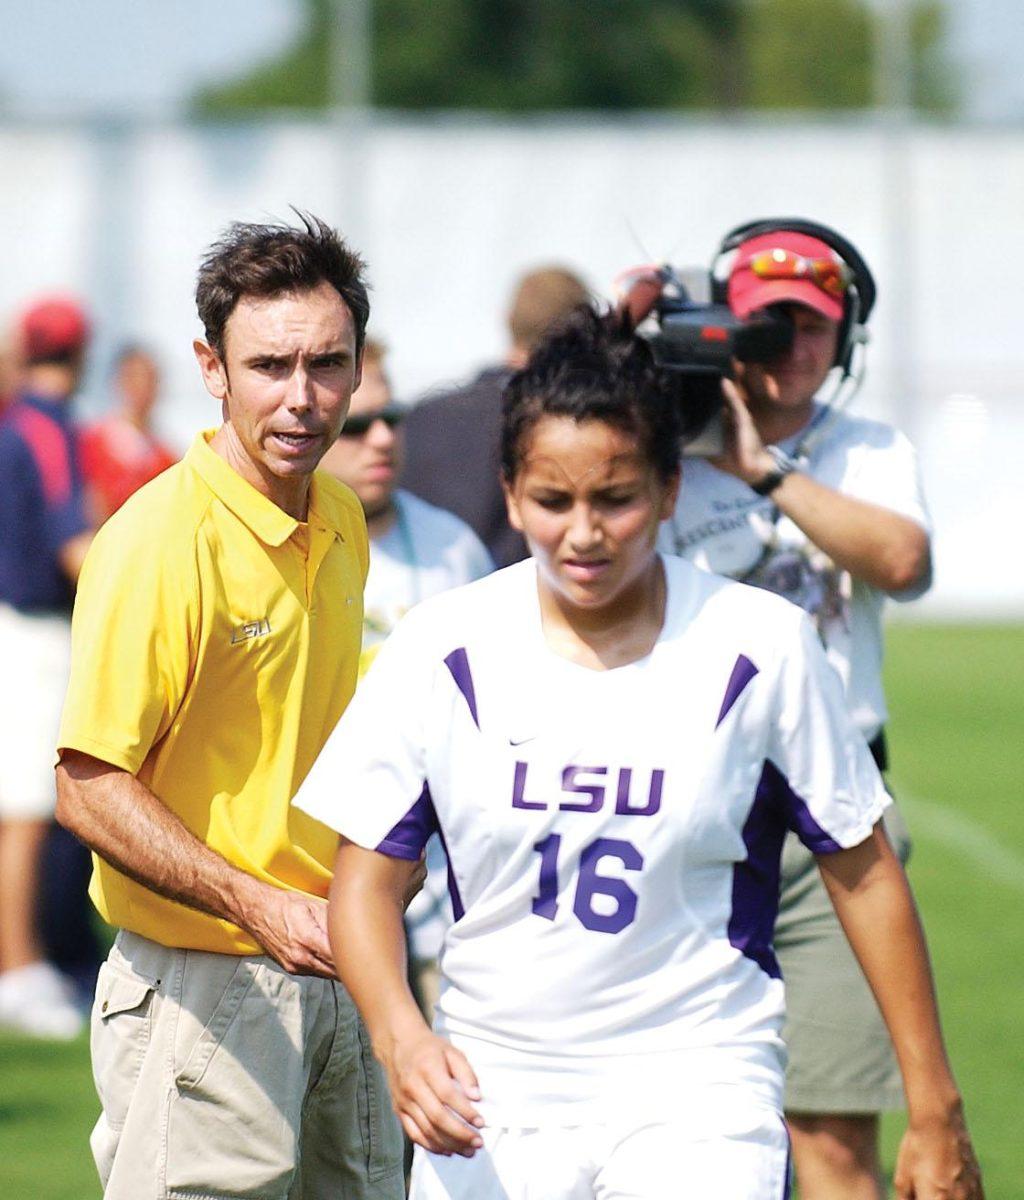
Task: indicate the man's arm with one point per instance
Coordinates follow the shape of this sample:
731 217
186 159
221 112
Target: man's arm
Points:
127 825
872 899
880 547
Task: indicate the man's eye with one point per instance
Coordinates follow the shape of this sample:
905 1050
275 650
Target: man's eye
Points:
618 499
329 362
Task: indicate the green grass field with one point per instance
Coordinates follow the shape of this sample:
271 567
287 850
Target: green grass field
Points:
958 764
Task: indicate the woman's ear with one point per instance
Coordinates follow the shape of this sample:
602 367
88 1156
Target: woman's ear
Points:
512 506
670 495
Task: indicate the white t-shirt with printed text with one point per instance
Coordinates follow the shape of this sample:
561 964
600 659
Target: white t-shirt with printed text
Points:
613 836
426 550
721 525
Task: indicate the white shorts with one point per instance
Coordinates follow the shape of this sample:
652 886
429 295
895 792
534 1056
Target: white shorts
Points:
35 653
749 1160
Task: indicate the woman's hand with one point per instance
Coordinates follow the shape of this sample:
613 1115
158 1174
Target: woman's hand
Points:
432 1088
936 1161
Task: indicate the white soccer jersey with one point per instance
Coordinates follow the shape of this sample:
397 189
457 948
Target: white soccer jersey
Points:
613 836
721 525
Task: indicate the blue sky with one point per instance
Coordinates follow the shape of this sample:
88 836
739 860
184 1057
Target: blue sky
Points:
145 56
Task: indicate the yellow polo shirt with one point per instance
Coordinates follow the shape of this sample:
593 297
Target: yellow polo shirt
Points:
215 644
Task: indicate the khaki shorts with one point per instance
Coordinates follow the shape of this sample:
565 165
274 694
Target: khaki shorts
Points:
841 1058
225 1076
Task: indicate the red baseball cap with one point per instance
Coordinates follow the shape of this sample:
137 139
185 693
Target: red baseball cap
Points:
749 290
53 327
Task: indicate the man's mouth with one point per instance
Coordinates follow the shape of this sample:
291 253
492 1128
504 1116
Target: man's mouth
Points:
296 440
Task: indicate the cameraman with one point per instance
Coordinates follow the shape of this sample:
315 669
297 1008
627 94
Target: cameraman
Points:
825 509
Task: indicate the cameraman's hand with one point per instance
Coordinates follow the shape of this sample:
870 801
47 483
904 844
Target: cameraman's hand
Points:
745 455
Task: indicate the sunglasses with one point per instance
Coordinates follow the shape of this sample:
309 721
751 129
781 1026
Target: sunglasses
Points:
359 423
831 276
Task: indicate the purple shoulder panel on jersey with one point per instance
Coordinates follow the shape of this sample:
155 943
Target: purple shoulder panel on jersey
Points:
458 908
799 818
742 673
458 663
407 837
755 881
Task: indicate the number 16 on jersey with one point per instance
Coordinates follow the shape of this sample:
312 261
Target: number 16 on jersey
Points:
590 883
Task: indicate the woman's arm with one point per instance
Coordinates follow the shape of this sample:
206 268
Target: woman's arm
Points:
432 1084
873 902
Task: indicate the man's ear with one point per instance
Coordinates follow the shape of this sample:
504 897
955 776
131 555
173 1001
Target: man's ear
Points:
215 375
512 507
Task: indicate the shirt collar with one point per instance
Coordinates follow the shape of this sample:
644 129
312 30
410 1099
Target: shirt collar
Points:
272 525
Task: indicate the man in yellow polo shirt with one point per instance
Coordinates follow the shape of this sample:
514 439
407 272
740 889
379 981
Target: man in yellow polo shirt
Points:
215 643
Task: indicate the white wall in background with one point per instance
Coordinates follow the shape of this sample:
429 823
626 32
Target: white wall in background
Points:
449 211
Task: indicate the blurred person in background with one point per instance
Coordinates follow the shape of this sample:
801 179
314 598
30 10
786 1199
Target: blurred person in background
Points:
121 452
453 436
416 551
8 371
825 509
44 534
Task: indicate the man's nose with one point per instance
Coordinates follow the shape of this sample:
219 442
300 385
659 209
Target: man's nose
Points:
300 390
380 433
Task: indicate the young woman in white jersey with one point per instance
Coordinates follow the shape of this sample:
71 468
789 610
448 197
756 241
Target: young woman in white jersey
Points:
612 745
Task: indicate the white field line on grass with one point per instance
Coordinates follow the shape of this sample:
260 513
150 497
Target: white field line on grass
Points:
929 821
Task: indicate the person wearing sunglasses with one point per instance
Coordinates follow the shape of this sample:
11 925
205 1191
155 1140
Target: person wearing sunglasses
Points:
416 551
826 509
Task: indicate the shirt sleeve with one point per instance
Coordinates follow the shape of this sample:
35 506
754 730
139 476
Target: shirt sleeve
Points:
819 765
370 780
133 638
888 474
480 561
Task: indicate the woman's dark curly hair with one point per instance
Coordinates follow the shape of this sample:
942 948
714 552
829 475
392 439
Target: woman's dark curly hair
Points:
594 368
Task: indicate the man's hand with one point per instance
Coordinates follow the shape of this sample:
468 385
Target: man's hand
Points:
744 455
291 928
936 1161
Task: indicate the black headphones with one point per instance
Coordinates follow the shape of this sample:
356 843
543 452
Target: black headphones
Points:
860 296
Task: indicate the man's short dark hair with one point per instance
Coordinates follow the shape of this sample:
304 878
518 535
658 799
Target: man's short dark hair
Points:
273 260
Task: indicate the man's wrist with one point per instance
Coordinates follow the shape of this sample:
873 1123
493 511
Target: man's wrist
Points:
781 466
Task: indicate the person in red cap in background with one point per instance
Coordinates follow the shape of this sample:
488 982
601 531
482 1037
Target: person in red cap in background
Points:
827 510
44 533
121 452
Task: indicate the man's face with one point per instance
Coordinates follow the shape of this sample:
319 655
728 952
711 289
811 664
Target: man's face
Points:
369 460
798 374
287 375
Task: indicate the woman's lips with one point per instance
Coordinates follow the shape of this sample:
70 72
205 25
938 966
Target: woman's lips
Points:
585 570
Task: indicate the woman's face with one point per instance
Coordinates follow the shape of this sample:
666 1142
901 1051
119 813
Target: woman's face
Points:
589 504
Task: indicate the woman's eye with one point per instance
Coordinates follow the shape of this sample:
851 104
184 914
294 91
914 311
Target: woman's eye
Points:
552 503
619 499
